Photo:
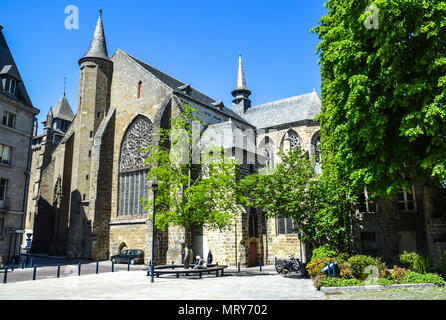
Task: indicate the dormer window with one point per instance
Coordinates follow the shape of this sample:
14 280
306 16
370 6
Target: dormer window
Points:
9 85
186 89
219 105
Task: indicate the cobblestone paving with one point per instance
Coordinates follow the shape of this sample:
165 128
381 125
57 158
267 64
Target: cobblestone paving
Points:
249 284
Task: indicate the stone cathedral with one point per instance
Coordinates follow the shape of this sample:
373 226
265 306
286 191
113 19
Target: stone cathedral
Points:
88 176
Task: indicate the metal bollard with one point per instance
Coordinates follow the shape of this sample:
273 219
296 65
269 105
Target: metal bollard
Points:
5 276
328 270
58 271
113 266
31 262
34 272
79 269
97 267
12 265
260 266
238 267
128 265
23 263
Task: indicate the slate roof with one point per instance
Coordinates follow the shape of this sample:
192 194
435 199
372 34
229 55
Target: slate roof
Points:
228 136
294 109
62 110
8 66
193 93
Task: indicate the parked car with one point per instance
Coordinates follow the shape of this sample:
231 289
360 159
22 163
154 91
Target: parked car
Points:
134 256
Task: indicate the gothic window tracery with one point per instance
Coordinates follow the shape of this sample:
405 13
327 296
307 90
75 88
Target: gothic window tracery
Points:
133 184
293 138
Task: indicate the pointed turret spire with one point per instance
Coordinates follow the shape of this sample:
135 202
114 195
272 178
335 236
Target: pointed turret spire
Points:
62 110
241 93
241 81
98 46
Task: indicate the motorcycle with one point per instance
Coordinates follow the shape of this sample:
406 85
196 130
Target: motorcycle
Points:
285 266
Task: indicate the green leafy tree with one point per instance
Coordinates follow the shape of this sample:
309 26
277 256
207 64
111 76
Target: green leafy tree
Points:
190 195
318 203
384 92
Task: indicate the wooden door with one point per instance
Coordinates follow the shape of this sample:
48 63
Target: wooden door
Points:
253 254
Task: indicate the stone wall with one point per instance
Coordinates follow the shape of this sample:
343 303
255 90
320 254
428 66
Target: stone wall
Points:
100 191
280 245
437 233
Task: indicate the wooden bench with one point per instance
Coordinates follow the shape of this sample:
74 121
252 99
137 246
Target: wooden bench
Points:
175 269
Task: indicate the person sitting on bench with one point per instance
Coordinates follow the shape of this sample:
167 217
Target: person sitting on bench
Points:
200 263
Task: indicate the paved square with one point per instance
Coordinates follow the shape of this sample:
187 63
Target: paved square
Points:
250 284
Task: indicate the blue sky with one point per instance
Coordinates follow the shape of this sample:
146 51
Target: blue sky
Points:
197 42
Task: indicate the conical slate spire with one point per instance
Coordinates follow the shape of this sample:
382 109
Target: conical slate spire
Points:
98 46
241 102
63 110
241 81
240 87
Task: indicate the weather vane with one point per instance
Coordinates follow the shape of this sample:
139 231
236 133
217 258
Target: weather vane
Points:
100 12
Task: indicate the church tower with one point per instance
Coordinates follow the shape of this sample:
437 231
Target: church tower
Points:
96 71
241 101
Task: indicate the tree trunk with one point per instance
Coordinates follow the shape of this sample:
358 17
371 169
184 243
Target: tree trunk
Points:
186 248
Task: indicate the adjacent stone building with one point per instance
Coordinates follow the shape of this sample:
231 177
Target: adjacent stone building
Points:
89 178
17 121
412 221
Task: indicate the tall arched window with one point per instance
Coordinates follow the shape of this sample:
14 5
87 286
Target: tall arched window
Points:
133 184
269 155
139 90
267 149
253 224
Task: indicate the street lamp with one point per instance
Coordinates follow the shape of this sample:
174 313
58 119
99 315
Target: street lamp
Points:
302 264
154 185
299 235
